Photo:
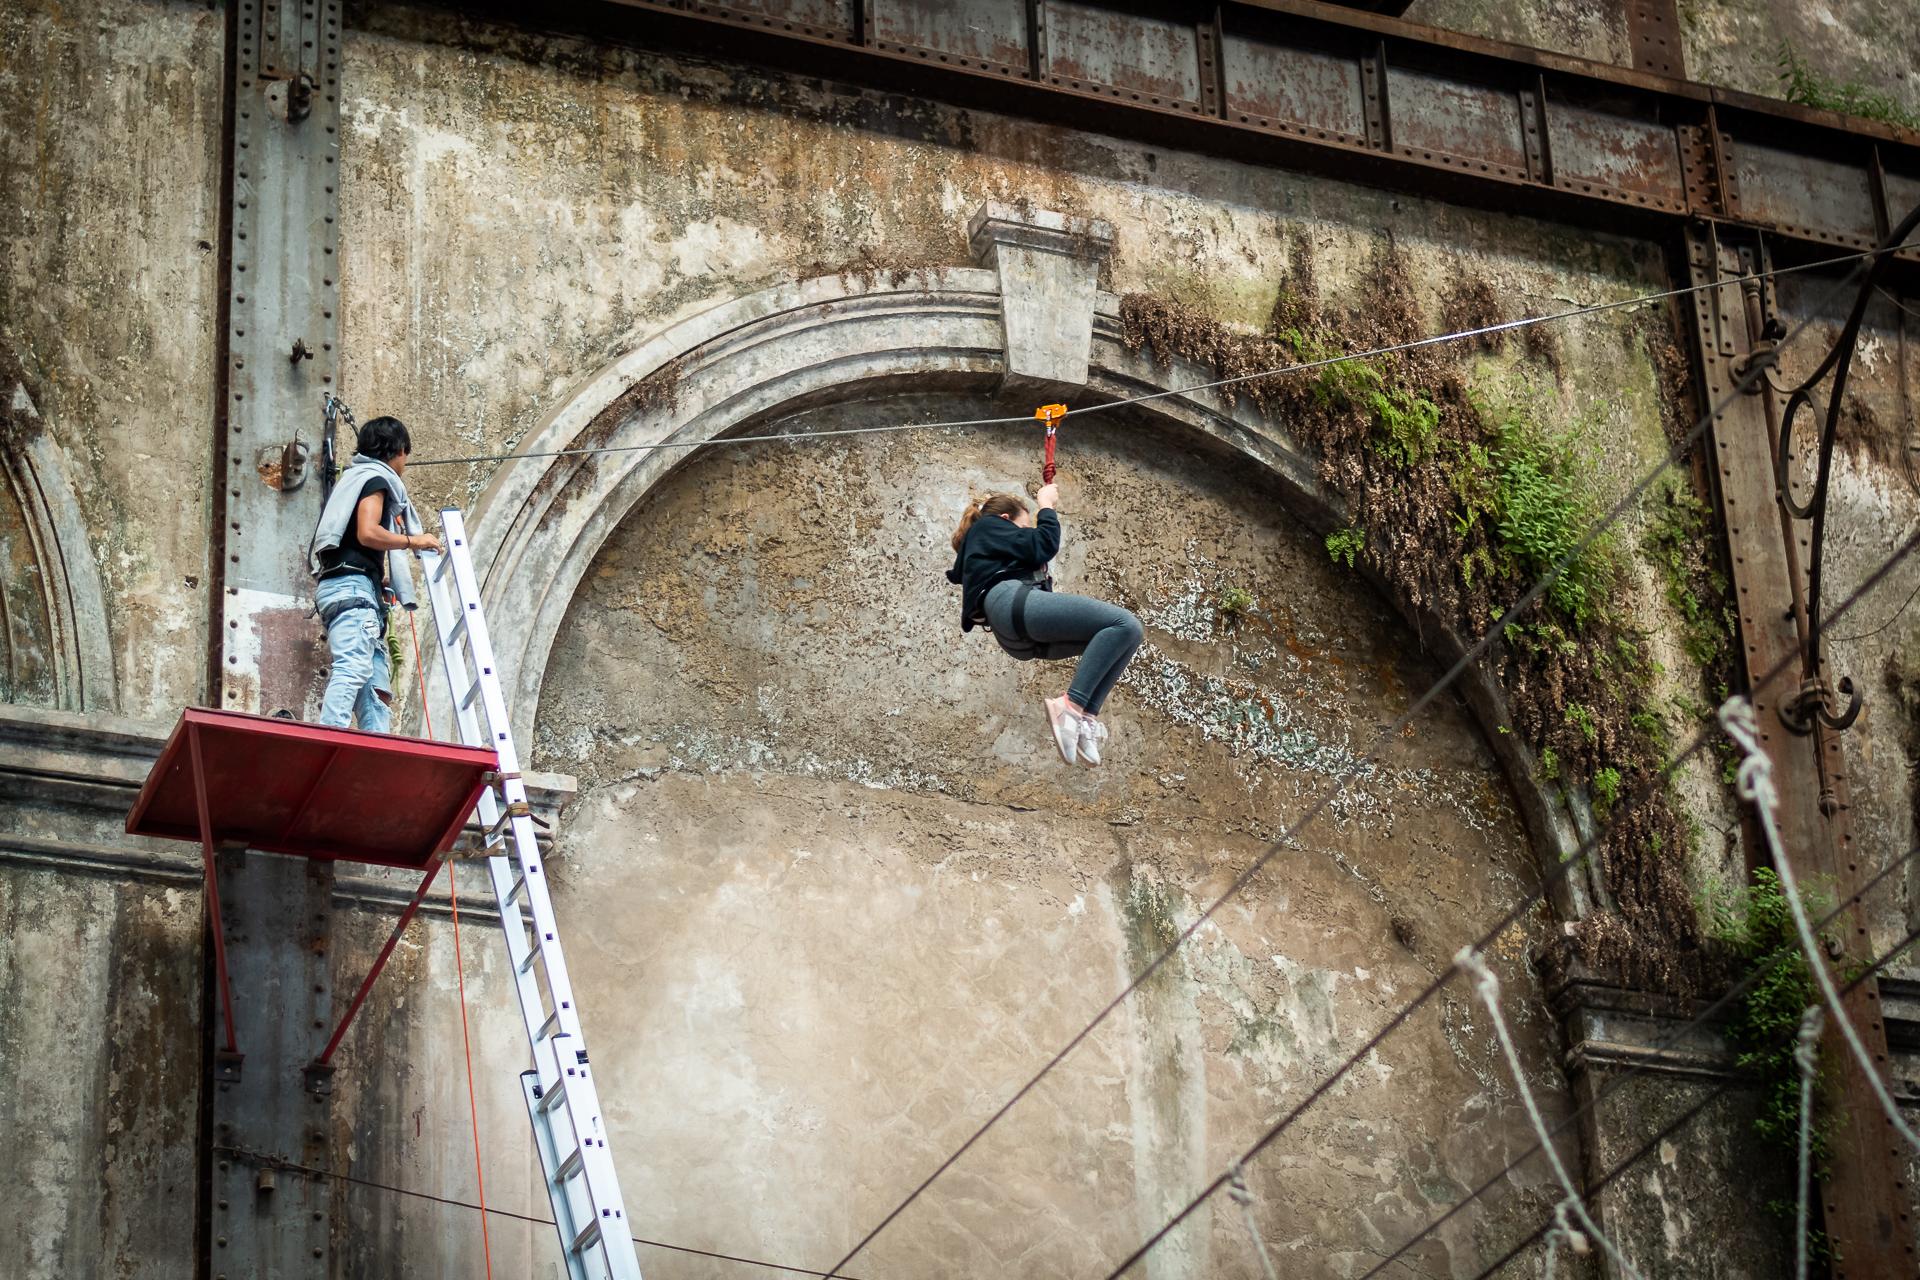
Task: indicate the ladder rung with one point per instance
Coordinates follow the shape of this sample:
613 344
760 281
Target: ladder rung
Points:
588 1237
441 570
455 631
519 881
533 955
570 1166
548 1027
473 691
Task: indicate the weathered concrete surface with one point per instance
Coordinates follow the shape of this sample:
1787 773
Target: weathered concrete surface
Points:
841 898
1869 43
99 1010
109 137
1734 43
1595 29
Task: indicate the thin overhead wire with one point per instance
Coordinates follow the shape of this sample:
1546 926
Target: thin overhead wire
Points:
1868 635
454 1202
1553 876
1620 1080
1755 781
1682 1120
1486 985
1307 366
1749 378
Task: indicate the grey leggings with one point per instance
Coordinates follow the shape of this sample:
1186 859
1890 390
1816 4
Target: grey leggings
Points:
1103 636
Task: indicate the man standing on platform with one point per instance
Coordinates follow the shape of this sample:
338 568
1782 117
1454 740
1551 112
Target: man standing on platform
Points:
357 557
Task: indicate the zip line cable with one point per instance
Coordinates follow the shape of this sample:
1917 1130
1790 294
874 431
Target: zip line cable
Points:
1483 331
1486 984
1749 378
1433 988
1628 1076
1756 787
1679 1122
453 1202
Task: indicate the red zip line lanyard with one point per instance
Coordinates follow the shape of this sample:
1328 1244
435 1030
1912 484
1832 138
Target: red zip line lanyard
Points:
1051 415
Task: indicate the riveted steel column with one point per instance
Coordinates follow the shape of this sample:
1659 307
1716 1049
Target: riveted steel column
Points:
282 331
1865 1201
280 347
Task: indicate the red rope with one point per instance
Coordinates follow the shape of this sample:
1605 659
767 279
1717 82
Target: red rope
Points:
473 1106
421 672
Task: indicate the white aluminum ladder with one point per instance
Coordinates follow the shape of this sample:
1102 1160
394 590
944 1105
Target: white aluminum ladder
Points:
562 1102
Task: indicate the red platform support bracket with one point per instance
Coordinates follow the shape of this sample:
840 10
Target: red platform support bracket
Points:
308 791
229 1056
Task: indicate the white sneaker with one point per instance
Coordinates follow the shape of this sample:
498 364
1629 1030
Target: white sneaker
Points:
1092 733
1065 726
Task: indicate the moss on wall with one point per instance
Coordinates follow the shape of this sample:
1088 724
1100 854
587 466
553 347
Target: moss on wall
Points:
1461 493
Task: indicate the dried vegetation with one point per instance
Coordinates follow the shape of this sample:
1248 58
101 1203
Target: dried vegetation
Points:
1461 501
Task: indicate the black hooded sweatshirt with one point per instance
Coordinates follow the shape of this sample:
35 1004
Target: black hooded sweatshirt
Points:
997 550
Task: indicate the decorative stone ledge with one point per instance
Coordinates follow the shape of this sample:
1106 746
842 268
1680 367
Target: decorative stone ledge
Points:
1049 269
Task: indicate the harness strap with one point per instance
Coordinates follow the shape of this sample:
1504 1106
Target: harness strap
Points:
1019 613
335 609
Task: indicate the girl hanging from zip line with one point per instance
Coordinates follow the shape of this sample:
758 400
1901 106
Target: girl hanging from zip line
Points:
1001 552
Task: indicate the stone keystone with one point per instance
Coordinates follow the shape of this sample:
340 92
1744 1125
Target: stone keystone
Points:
1049 267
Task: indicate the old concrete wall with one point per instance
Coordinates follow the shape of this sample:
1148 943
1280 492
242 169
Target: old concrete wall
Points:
848 897
99 1008
1739 44
1595 29
516 212
109 152
826 898
1867 43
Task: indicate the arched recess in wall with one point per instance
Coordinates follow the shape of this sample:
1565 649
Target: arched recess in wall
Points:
540 523
53 616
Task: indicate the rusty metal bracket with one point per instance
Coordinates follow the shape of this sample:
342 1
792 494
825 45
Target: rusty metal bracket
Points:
1815 704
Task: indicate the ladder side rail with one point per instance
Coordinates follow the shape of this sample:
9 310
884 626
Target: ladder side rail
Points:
454 638
454 661
512 788
567 1053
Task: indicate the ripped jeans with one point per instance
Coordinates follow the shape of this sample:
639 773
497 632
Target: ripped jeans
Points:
359 685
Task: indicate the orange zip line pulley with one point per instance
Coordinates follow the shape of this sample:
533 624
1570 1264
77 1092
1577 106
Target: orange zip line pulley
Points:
1051 415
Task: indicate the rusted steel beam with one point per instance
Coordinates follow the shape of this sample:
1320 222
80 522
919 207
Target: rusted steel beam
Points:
1332 90
1865 1201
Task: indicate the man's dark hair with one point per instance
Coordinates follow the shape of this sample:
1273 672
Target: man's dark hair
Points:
384 439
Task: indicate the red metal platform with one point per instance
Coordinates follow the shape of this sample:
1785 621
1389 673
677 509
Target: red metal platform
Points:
309 790
340 795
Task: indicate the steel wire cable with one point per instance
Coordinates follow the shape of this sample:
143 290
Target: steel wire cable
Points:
1686 1117
1746 380
494 1211
1621 1079
1306 366
1557 873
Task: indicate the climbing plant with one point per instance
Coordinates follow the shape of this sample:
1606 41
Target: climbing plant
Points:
1756 925
1809 88
1461 495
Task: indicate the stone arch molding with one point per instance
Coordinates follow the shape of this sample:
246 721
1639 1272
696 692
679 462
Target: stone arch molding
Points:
1027 321
67 630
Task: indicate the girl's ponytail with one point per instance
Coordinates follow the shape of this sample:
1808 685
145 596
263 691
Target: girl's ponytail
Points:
994 504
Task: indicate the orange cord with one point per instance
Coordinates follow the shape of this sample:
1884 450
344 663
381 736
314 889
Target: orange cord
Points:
420 671
473 1106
